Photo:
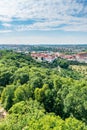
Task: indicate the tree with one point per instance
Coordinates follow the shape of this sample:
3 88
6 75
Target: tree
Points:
75 102
5 77
21 75
23 93
7 96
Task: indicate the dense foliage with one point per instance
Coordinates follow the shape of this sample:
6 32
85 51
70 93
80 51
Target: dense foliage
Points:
41 96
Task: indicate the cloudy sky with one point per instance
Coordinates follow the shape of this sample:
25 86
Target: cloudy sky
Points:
43 21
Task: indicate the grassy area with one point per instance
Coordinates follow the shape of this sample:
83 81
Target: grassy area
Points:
81 69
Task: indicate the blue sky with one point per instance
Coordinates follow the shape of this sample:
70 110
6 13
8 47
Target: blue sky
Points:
43 21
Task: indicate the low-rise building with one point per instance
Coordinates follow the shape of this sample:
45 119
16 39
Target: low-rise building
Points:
82 57
43 57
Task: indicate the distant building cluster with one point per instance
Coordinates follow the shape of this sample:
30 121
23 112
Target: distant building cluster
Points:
82 57
50 57
43 57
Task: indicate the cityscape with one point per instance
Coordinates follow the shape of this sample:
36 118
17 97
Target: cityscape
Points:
51 52
43 64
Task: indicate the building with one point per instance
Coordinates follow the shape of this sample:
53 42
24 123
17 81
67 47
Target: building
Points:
43 57
82 57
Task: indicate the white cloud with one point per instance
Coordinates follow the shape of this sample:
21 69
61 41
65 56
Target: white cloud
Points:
5 31
6 25
54 13
5 19
75 25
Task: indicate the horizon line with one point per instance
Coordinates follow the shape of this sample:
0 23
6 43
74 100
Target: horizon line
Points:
1 44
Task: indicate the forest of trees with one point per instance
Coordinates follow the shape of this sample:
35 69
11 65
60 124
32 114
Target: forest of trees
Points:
41 96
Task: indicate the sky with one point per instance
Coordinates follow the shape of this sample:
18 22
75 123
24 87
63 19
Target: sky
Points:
43 21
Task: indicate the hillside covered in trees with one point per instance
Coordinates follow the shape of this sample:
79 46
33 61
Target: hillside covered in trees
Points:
41 96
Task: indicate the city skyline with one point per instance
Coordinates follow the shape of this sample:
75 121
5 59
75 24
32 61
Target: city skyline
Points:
43 22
